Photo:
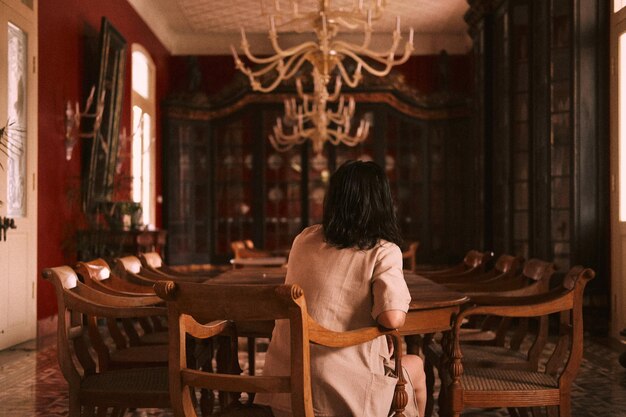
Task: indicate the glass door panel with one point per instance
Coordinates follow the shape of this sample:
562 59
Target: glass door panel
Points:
283 201
234 208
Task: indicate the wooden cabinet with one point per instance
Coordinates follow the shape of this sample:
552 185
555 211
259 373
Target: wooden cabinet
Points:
226 182
543 129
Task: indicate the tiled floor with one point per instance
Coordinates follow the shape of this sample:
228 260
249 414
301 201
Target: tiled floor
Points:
31 383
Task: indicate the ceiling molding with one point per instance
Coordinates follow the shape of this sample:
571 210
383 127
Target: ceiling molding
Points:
219 43
171 26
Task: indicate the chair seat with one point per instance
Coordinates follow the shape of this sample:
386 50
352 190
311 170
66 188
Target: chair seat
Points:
494 357
138 386
477 335
493 379
155 355
484 356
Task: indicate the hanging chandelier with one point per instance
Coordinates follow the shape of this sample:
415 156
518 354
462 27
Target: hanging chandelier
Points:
313 120
327 53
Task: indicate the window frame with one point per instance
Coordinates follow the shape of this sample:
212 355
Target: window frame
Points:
148 106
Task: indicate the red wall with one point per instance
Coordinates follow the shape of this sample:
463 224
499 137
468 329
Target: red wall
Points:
61 44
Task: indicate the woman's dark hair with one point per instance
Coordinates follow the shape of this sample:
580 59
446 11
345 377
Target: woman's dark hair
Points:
358 207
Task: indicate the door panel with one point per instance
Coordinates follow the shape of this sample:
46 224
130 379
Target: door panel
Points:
18 156
618 171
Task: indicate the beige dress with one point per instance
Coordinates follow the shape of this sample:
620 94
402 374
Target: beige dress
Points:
345 289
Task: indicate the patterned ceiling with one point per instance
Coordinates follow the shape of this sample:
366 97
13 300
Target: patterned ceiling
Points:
211 26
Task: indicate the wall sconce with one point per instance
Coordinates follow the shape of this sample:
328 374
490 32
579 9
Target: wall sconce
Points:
74 118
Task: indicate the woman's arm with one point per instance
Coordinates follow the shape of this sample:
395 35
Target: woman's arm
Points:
391 319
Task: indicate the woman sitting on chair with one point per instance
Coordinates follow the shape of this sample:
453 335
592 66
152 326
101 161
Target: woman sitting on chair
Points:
350 268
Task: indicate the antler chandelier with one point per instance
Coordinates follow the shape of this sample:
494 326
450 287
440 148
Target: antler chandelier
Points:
313 120
327 53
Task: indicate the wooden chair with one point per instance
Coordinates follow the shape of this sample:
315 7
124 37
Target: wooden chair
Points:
534 279
189 313
245 249
474 262
505 267
551 385
128 351
485 342
131 269
408 256
152 261
92 387
98 275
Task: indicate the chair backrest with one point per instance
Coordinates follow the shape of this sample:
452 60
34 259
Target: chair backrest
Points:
130 269
151 260
97 274
474 263
189 311
535 278
476 259
238 247
508 263
246 249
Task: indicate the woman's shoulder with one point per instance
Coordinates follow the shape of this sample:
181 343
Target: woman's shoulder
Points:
311 232
388 249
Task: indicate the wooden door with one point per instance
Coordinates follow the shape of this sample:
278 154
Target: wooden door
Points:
18 156
618 169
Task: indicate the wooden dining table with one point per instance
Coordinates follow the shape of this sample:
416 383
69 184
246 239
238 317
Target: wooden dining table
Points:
431 309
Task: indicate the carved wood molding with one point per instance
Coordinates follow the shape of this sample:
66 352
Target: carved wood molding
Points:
205 113
391 90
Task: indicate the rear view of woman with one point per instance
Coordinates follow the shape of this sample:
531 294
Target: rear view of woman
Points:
350 268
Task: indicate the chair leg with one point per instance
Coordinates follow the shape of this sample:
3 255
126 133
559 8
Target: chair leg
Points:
430 387
513 412
413 344
565 408
118 412
552 411
207 402
536 412
251 354
74 405
89 411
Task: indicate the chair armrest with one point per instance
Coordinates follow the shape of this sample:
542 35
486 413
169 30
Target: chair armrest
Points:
90 307
484 297
326 337
115 300
504 299
529 306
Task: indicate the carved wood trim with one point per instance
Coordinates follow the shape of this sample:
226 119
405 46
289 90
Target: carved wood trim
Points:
204 114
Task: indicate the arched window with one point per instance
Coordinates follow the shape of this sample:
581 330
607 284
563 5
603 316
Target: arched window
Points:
143 102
